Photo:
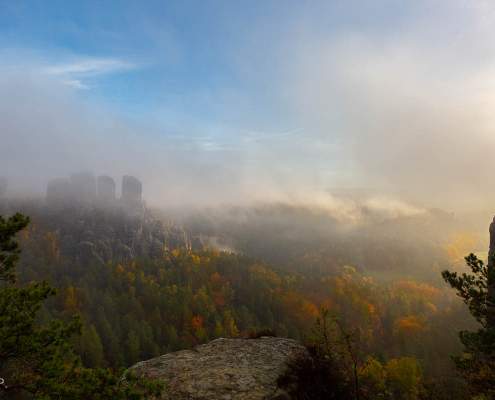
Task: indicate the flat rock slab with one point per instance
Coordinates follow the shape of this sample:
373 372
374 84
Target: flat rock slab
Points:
224 369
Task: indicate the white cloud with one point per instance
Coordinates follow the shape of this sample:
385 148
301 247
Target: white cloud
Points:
407 111
76 73
413 110
90 66
46 131
75 83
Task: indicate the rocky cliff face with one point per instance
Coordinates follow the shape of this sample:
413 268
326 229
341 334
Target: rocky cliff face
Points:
225 369
90 234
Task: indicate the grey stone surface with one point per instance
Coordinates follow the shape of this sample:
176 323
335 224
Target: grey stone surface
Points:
105 188
233 369
131 190
83 185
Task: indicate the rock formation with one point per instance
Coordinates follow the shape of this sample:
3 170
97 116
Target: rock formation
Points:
83 189
228 369
96 235
131 191
3 186
105 188
83 186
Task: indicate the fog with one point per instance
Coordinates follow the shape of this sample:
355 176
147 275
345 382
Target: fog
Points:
398 120
49 131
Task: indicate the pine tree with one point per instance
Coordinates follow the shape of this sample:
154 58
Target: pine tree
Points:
90 347
477 363
39 361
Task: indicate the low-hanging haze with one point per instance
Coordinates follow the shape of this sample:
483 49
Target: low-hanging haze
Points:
231 102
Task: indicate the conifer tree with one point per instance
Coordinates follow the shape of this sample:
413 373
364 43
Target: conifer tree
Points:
477 362
38 361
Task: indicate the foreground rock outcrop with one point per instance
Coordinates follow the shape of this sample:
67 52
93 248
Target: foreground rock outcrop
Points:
225 369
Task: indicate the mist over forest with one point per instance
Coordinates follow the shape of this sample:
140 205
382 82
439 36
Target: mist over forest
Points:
294 195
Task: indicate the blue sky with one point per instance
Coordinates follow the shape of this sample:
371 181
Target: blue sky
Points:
262 99
167 49
142 57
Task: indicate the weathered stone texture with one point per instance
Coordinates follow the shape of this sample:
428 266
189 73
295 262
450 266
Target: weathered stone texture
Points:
225 369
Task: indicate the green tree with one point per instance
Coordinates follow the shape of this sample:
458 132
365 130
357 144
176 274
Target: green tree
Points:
9 248
109 339
372 377
404 378
477 362
133 347
38 361
342 344
90 348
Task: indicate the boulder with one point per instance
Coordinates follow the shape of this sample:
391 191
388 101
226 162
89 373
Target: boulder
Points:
225 369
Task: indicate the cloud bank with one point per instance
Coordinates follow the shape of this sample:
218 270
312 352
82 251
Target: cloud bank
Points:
407 113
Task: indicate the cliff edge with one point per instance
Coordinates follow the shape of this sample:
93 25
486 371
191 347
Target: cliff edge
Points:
225 369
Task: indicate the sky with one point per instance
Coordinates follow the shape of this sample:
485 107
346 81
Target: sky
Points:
211 102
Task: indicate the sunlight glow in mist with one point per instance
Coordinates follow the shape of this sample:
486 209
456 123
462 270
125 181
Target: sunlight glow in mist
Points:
399 103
